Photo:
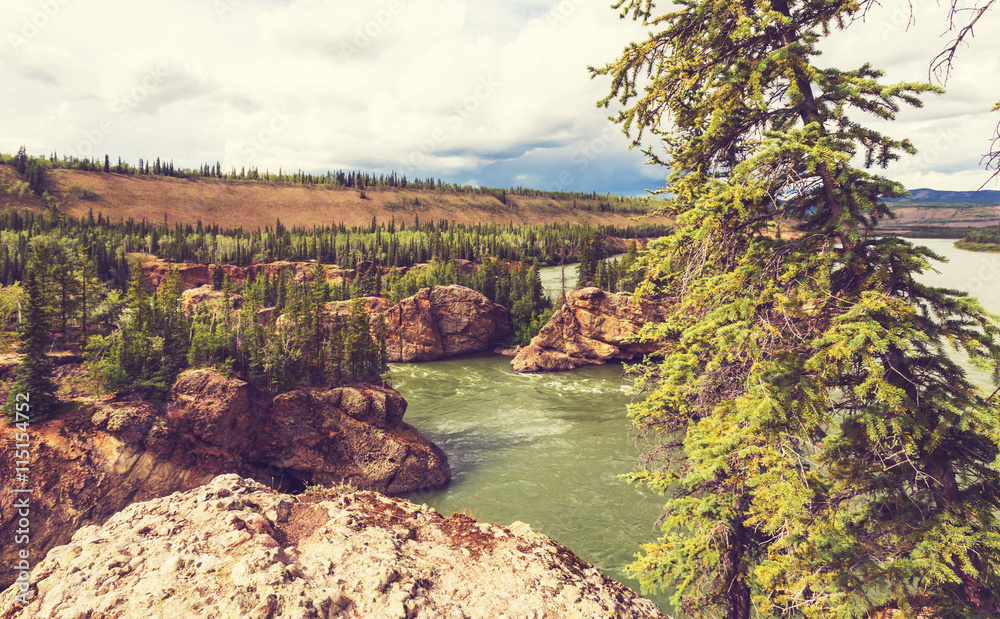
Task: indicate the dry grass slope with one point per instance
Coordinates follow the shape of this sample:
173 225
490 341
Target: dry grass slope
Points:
254 204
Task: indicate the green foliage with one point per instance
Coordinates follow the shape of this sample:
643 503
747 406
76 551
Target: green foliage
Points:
823 455
591 250
134 356
364 353
108 243
77 192
518 287
21 160
34 175
11 299
985 239
33 376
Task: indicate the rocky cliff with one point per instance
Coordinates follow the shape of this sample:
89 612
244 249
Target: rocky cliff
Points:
90 463
591 328
438 323
196 274
233 549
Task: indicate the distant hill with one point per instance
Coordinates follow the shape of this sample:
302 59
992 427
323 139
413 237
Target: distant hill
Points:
934 213
255 204
951 197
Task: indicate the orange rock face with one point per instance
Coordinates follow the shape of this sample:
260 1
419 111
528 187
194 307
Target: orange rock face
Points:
91 463
194 275
438 323
592 328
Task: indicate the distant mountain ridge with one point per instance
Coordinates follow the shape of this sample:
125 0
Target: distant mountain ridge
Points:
951 197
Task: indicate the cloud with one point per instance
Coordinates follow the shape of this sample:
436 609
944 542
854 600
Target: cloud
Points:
495 91
951 131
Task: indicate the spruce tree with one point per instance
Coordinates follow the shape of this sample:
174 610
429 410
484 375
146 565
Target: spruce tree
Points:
173 329
21 160
33 376
66 291
90 290
823 455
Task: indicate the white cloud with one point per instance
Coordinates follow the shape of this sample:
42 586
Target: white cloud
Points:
494 91
951 131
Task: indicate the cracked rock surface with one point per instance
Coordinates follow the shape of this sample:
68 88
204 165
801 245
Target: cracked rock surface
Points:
90 463
234 549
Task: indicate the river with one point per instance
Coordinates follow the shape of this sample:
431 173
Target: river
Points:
547 449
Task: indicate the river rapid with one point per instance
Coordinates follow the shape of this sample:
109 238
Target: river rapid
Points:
547 449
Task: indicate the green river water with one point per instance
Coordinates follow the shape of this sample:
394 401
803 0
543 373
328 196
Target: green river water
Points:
547 449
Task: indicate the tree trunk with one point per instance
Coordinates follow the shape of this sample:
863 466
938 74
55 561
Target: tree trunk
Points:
737 591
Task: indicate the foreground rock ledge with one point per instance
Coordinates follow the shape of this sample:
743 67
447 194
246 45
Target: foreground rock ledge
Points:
233 549
593 327
89 464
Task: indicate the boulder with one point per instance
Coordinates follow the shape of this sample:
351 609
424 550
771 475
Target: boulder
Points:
591 328
91 463
433 324
234 549
192 274
194 297
350 435
467 320
412 330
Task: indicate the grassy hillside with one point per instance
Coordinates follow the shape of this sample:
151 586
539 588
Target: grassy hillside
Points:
983 196
943 219
253 204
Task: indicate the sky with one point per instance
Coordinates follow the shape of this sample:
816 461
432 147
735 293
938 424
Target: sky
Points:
493 93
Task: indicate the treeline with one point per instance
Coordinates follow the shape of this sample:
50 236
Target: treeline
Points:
273 330
928 232
141 341
359 180
982 236
510 278
517 286
294 342
598 270
388 245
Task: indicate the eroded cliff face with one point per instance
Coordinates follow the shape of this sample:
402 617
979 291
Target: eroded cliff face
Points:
436 323
590 329
90 463
196 274
234 549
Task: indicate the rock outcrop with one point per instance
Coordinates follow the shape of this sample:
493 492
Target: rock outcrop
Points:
234 549
196 274
88 464
438 323
444 322
590 329
208 296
